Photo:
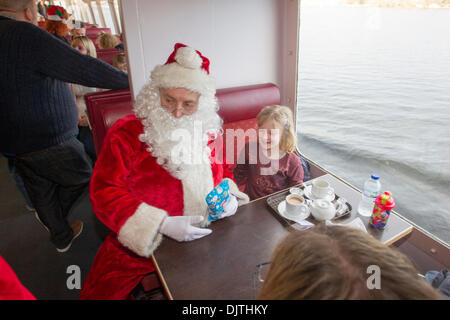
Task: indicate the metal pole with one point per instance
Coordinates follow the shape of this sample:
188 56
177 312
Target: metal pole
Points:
79 5
114 15
86 14
100 11
92 12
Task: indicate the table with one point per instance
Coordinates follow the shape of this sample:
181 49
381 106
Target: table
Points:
221 265
395 229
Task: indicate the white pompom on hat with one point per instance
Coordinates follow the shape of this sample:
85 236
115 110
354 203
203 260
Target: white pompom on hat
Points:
185 68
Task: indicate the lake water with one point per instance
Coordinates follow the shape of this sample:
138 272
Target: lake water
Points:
374 96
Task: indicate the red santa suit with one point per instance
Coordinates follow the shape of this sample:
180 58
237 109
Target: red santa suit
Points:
132 193
10 286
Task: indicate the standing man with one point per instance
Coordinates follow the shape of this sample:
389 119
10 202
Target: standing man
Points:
38 122
154 172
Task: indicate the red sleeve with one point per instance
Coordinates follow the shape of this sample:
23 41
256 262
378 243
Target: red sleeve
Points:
135 222
220 166
111 201
10 286
241 171
295 170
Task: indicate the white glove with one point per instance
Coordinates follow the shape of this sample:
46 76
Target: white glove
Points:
230 207
180 228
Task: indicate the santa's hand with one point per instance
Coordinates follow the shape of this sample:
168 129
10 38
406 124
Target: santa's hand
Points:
181 229
230 207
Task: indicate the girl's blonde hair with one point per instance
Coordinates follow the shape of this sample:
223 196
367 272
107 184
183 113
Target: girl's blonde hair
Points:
283 116
331 263
107 40
88 44
119 60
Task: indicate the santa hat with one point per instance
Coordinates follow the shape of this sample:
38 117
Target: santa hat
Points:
56 13
185 68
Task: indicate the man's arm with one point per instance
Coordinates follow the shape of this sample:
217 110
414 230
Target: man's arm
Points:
46 54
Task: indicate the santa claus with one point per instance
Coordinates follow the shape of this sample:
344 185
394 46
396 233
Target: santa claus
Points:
154 172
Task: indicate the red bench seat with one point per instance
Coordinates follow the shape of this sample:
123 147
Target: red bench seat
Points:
107 55
238 109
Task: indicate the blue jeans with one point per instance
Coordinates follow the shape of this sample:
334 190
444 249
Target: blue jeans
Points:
55 178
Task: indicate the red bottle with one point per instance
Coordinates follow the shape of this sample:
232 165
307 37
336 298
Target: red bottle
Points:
384 203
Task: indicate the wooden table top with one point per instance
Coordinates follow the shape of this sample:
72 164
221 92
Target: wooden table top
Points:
221 265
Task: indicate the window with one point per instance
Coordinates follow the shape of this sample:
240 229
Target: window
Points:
96 14
373 97
108 17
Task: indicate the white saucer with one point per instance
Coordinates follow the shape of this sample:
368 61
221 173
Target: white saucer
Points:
308 193
284 214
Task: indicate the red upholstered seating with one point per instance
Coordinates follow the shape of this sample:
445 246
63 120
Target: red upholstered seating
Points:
107 55
242 103
238 108
95 31
104 108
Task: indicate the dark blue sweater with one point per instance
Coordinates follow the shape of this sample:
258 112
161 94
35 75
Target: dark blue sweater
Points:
37 108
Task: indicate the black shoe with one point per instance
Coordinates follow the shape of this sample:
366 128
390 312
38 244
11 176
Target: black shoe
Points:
77 227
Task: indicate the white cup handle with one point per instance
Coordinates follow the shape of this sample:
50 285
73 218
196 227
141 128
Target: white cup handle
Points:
303 208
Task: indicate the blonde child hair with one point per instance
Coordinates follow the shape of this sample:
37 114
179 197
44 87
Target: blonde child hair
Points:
88 44
330 263
107 40
120 61
283 116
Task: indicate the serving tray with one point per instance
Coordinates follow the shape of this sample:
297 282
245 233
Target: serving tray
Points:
276 199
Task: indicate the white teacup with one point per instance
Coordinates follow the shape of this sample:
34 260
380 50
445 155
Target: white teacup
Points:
296 205
321 189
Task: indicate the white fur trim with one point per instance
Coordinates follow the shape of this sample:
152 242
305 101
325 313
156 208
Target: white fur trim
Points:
54 18
188 58
242 197
196 186
174 75
140 232
57 18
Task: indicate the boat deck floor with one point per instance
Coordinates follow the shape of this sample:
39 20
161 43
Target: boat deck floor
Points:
26 245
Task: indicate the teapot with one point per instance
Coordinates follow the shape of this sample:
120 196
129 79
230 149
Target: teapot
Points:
322 209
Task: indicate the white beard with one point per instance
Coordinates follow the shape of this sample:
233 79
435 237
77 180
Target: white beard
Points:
177 143
181 145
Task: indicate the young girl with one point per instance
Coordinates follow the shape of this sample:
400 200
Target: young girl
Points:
270 165
85 46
